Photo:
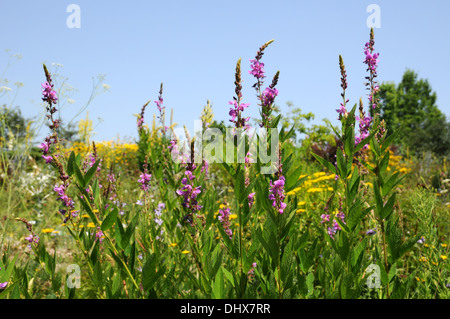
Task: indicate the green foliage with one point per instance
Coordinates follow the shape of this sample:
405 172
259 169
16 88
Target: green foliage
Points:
132 243
412 105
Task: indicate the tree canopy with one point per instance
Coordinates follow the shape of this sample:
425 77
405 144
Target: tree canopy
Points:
411 105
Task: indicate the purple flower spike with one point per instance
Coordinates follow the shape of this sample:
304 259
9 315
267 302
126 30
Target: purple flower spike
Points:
257 69
277 194
48 93
224 218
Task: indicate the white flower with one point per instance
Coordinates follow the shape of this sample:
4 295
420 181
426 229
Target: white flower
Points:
4 88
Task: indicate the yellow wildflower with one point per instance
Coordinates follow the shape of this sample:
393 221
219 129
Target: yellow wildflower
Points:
185 252
443 257
47 230
173 244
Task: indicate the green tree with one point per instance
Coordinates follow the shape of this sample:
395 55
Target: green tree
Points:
412 105
13 122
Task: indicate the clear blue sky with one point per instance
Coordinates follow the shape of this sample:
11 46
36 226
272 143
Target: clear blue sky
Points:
192 47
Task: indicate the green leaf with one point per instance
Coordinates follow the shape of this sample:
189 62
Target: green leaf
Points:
109 220
343 226
391 183
288 135
229 276
384 163
150 273
227 241
378 198
406 247
354 215
70 164
325 163
356 253
310 283
349 144
129 232
218 289
5 275
90 173
263 242
341 163
333 128
89 211
239 185
389 140
375 147
388 208
98 275
302 241
79 176
292 179
15 294
119 233
275 121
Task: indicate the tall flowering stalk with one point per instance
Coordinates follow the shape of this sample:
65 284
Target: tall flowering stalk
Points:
189 191
342 111
277 194
49 96
224 218
161 110
371 60
384 183
144 178
238 107
267 97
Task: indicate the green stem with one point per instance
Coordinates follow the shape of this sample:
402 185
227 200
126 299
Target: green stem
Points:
280 288
383 232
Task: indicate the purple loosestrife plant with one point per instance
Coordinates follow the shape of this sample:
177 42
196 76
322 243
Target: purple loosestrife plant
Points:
49 96
161 110
267 97
342 111
238 107
371 60
144 178
189 191
224 218
32 238
277 194
276 191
